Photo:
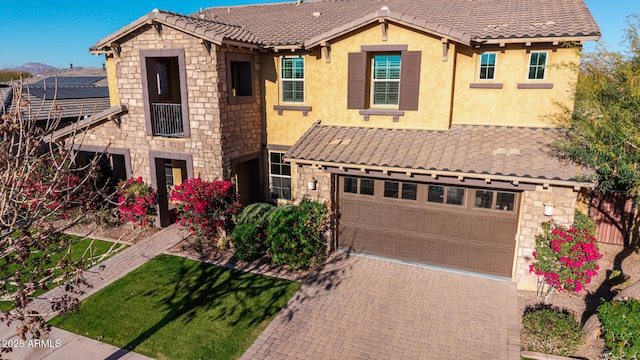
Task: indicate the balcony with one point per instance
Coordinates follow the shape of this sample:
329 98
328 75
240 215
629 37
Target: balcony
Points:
167 120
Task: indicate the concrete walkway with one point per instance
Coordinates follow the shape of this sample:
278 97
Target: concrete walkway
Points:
364 308
65 345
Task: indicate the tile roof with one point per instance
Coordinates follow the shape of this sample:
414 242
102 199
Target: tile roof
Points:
292 23
212 30
68 94
309 22
464 149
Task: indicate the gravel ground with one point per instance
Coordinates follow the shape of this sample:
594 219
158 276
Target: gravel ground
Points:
584 304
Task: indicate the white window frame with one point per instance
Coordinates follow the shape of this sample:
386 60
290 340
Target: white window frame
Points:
373 81
283 80
495 66
272 175
544 68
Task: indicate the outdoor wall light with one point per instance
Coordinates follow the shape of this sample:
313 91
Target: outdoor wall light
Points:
311 185
548 208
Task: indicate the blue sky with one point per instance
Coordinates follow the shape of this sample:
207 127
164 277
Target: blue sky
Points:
59 33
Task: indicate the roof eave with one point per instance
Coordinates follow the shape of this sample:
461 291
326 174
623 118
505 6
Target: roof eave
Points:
437 173
105 46
414 23
530 40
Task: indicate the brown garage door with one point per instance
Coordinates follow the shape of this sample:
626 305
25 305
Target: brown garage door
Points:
457 227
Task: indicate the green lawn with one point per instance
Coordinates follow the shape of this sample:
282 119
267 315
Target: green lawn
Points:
78 252
175 308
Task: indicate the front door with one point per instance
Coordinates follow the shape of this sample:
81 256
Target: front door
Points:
169 172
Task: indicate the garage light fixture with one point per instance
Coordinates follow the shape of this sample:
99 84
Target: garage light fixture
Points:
311 185
548 208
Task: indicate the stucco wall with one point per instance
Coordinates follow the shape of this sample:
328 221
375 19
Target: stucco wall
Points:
326 86
532 215
511 106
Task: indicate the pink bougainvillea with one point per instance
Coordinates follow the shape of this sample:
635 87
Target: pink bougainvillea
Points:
204 207
566 258
136 201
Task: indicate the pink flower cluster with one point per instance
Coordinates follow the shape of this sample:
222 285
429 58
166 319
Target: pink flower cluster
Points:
136 201
205 207
567 259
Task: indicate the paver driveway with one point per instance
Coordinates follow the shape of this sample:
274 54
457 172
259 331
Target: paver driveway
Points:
363 308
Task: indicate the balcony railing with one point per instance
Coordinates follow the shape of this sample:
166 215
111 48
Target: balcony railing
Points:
167 120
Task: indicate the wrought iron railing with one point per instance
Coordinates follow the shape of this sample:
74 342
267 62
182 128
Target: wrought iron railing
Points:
167 120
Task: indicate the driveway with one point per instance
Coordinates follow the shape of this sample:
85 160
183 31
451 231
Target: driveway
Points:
358 307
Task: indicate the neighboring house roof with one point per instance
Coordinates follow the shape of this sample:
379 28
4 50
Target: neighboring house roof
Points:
308 23
108 114
68 94
475 151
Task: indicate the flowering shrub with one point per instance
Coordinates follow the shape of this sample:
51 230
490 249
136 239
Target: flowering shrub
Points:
566 258
205 207
136 201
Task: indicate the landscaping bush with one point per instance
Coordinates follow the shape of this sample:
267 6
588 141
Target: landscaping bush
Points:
621 328
205 208
295 236
550 331
136 201
566 259
257 214
248 241
582 221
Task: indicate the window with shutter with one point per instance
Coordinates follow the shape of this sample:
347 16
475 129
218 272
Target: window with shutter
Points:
388 79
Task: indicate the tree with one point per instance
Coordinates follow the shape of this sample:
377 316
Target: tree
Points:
603 130
11 75
42 193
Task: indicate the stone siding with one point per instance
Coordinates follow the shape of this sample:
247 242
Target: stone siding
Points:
209 114
532 215
241 124
322 178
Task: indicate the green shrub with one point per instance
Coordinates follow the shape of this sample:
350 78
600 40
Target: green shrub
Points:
621 328
257 214
550 331
582 221
247 242
295 236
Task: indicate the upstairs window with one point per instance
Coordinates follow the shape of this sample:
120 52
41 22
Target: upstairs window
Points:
385 89
487 66
384 76
292 75
537 65
241 84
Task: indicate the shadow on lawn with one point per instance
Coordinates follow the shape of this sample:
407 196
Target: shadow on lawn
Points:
202 288
205 287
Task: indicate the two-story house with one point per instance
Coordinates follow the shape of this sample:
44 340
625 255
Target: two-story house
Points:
424 123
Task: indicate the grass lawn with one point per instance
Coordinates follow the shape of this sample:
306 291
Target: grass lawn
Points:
175 308
77 252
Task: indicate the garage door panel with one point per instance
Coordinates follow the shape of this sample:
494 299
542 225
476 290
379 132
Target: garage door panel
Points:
493 230
456 227
478 240
433 222
410 220
491 261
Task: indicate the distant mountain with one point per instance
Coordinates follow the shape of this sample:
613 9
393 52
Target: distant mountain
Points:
35 68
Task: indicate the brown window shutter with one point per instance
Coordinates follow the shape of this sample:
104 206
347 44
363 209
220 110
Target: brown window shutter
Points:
357 86
409 80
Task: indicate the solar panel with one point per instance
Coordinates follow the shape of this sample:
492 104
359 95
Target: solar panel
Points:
69 81
69 92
